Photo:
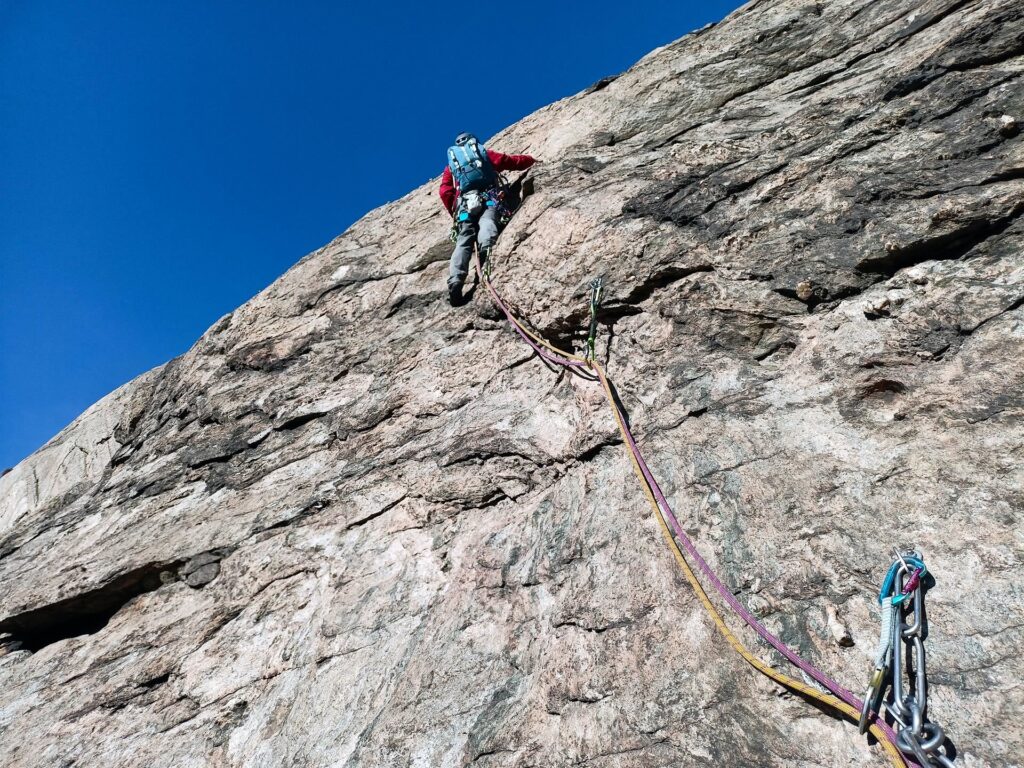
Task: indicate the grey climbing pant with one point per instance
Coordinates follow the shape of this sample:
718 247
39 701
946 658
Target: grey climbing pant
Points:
482 229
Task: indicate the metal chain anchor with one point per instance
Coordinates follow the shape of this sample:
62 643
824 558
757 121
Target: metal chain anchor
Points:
596 294
904 630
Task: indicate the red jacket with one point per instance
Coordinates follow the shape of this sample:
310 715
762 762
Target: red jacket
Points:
450 191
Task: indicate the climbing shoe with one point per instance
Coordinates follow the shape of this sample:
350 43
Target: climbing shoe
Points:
454 294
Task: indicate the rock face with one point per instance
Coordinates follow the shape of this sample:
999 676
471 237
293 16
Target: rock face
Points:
353 526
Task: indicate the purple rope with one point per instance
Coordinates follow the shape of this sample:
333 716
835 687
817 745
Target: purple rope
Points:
735 604
688 545
557 359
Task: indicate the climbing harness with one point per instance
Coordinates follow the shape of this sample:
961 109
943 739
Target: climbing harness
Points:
596 294
499 198
838 698
903 632
472 203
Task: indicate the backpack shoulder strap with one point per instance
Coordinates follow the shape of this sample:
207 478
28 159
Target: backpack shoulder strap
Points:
453 158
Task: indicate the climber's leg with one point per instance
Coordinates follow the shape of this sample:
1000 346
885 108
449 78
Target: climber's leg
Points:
489 228
459 266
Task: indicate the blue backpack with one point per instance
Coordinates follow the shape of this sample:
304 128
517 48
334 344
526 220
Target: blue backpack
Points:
471 168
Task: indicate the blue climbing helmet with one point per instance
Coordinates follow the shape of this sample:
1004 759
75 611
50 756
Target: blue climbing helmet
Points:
469 164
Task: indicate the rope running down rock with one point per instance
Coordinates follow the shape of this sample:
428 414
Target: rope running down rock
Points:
841 699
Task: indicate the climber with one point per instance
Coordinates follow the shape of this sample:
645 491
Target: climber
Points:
471 191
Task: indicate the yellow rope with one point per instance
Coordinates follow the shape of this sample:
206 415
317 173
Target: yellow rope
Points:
894 755
835 703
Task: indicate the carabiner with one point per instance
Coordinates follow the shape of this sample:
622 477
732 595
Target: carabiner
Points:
596 294
873 692
917 628
903 564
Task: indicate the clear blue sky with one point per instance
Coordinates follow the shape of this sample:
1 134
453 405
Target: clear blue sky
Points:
161 162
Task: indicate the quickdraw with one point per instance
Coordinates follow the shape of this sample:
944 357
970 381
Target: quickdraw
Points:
904 630
838 699
596 294
890 600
